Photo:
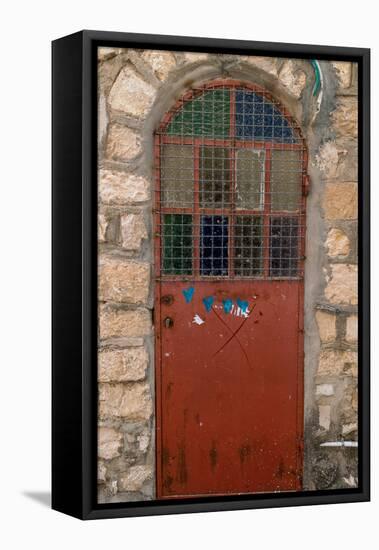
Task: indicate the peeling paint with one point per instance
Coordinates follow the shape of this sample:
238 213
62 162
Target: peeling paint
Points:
198 320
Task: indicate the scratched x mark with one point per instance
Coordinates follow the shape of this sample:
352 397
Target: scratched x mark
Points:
234 334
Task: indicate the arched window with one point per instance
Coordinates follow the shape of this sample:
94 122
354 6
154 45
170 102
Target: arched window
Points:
230 173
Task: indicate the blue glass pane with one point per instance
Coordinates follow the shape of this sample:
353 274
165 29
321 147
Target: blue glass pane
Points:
214 245
257 118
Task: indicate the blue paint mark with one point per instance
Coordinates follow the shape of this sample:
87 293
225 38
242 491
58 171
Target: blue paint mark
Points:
243 304
188 294
208 301
228 304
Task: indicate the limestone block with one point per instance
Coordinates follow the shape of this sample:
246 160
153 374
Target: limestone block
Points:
123 280
134 479
337 243
347 429
345 117
267 64
342 287
327 159
343 70
326 326
130 94
123 143
130 401
341 201
192 57
121 188
339 159
102 225
160 62
337 362
133 231
294 79
107 53
352 328
102 119
123 365
117 322
109 443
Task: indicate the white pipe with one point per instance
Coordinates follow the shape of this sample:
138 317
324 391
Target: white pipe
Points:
339 444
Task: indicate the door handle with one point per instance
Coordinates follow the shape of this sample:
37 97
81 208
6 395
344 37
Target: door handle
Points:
168 322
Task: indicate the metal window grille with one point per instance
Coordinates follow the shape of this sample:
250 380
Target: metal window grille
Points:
230 179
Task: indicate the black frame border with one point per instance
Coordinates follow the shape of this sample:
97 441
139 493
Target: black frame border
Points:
74 272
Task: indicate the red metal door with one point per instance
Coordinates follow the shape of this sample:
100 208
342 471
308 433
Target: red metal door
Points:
230 208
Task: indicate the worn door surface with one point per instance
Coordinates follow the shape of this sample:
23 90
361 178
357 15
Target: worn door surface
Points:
230 207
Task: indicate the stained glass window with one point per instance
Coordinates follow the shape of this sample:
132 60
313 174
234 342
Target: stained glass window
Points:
230 200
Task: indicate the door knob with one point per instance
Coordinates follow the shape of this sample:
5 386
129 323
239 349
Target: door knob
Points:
168 322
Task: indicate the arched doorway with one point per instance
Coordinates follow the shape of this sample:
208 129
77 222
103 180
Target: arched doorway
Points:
229 252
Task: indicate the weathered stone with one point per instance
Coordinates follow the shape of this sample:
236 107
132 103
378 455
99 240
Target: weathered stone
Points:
352 328
161 62
102 120
192 57
133 231
109 443
327 159
130 94
343 71
294 79
130 401
117 322
324 416
354 400
143 440
325 390
121 188
341 201
337 243
342 287
267 64
339 159
347 169
123 365
107 53
101 472
345 117
325 471
347 429
337 362
123 280
135 478
102 225
326 326
123 143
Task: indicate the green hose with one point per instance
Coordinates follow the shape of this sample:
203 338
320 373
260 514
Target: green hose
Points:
317 83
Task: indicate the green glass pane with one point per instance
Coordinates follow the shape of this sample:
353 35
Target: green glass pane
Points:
286 174
248 246
206 116
177 244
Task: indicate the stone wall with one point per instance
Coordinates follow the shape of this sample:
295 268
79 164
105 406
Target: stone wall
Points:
332 416
135 89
